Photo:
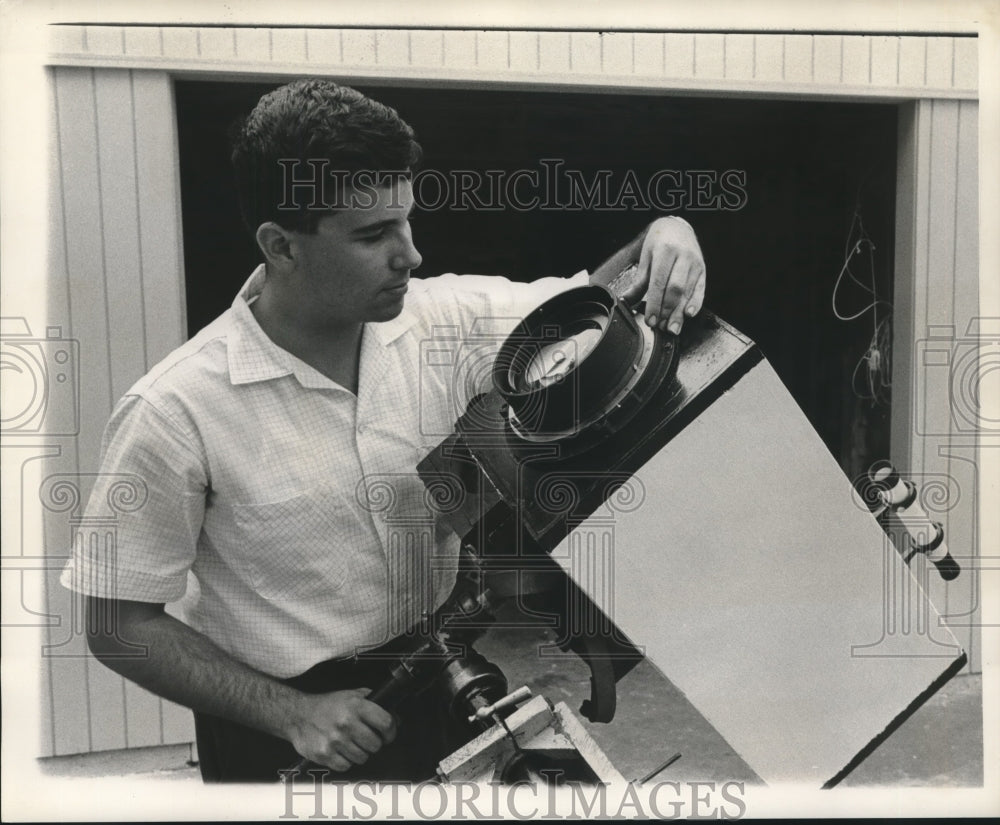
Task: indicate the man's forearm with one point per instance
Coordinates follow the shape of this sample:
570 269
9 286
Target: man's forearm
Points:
144 644
184 666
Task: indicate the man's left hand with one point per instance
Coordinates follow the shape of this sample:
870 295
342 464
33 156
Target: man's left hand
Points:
671 275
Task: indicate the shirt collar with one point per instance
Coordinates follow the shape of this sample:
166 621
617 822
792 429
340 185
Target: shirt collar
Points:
255 357
388 331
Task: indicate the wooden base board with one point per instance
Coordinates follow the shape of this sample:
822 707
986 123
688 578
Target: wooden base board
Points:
537 726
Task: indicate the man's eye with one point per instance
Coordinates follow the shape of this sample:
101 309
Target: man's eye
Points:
375 236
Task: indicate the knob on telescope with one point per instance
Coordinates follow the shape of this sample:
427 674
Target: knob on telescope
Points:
889 496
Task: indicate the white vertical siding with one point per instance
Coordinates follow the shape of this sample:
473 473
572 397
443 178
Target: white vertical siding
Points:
554 52
854 65
250 45
288 45
426 48
678 55
160 265
709 56
522 52
92 726
116 286
584 53
963 608
647 52
937 297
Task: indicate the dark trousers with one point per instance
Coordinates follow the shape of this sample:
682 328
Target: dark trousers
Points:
425 733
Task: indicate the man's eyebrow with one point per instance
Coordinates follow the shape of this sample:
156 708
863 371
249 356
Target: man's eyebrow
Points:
372 227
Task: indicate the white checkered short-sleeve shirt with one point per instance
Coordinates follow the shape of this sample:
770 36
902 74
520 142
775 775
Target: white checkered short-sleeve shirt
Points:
295 503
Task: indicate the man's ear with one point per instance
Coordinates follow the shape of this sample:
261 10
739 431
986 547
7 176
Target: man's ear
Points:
275 243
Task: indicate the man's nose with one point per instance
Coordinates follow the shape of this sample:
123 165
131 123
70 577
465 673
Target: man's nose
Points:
408 257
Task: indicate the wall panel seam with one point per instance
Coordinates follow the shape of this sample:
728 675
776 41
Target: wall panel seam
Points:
138 229
103 243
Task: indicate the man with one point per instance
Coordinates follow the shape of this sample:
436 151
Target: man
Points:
278 446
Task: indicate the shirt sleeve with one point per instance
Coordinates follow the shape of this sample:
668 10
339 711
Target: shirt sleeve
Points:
149 500
481 311
494 303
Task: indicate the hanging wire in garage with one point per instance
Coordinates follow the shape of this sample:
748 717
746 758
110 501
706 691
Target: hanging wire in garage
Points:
871 379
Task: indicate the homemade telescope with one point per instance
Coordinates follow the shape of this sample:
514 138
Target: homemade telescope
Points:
664 497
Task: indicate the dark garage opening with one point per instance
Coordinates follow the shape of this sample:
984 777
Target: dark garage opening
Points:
773 253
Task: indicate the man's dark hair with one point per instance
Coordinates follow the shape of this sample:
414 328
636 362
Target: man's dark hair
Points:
313 129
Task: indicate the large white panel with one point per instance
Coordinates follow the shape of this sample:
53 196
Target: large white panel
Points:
756 582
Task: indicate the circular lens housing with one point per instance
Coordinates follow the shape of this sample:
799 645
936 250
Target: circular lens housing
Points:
569 362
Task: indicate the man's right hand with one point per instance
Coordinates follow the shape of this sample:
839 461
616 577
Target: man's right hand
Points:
339 729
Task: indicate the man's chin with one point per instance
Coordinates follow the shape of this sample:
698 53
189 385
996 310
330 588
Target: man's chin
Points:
388 310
